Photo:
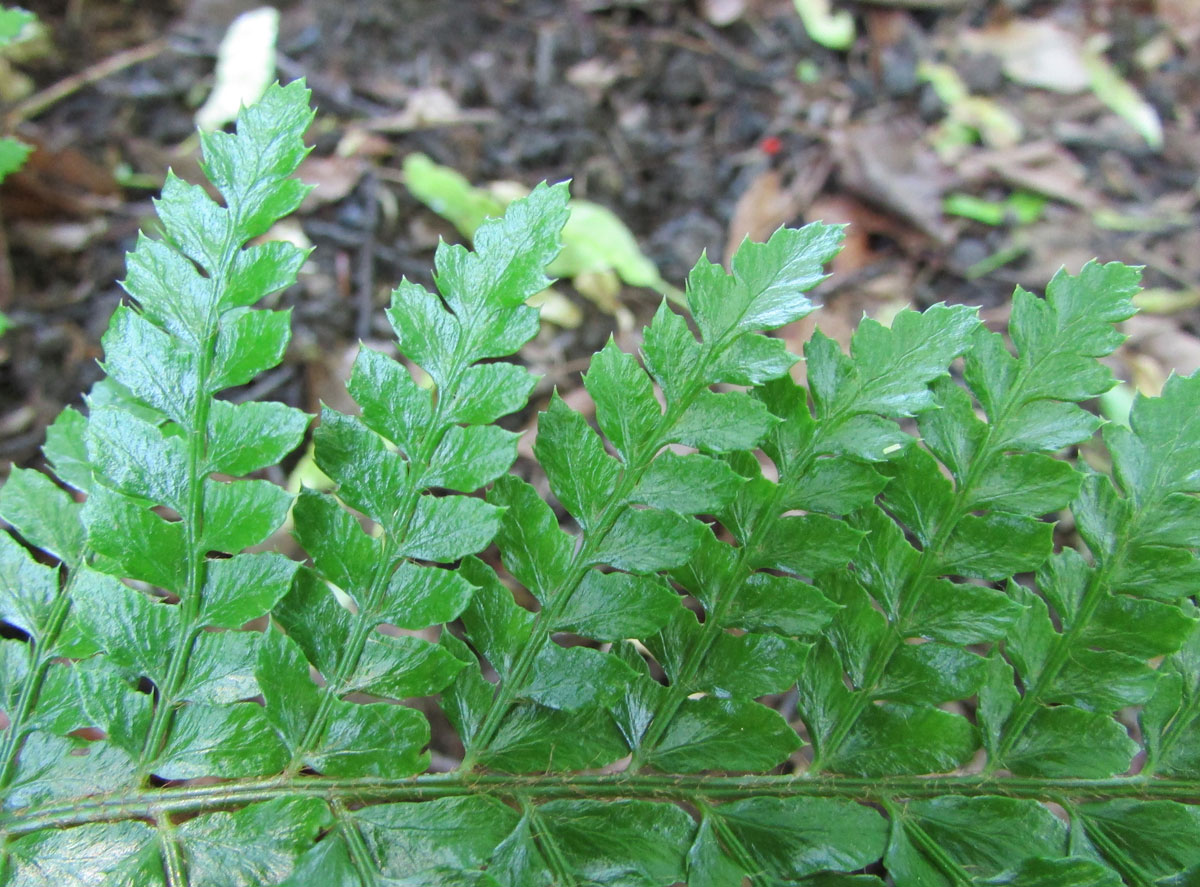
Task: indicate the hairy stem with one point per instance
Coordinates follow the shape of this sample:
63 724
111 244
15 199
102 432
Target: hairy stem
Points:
360 856
724 596
172 858
693 660
141 803
563 874
732 845
931 848
1131 872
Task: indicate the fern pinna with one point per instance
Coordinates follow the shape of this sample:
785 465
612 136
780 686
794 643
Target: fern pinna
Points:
814 634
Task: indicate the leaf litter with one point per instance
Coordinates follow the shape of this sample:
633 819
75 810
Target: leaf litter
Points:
660 114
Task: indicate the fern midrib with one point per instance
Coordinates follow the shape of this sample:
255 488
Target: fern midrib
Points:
1097 590
347 663
148 803
910 595
174 871
1061 652
695 656
879 662
544 620
518 674
1190 709
933 851
1130 871
197 454
880 659
360 856
733 847
14 736
365 621
724 597
1178 725
564 875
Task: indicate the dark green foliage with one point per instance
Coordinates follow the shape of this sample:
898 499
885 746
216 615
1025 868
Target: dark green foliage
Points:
163 689
819 634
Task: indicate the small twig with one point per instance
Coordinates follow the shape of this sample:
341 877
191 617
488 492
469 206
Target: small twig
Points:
350 238
917 4
265 384
51 95
365 273
686 42
331 93
6 274
724 49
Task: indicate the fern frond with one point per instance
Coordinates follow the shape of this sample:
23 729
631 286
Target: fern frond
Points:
810 634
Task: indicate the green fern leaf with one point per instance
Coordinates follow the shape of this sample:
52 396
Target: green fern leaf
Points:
821 635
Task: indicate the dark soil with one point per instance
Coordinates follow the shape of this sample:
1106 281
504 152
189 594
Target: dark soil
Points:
694 132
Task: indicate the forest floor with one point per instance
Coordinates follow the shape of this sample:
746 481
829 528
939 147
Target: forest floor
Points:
695 122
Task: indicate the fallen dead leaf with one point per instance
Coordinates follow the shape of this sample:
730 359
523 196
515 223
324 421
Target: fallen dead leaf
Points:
55 183
763 207
1161 338
49 239
861 223
429 107
334 178
887 163
1054 243
1036 52
839 317
593 75
359 142
1182 17
770 201
327 373
1044 167
723 12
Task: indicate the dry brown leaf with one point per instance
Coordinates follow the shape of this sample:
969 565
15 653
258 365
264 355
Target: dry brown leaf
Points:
1035 52
334 177
1182 17
429 107
48 239
594 75
861 222
723 12
1054 243
763 207
327 373
1163 339
59 182
888 164
839 317
1044 167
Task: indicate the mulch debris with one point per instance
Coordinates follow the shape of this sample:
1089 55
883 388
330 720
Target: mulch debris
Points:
697 123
